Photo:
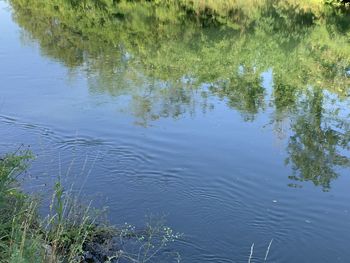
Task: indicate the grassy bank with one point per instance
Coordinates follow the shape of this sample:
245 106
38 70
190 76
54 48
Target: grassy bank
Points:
70 232
24 235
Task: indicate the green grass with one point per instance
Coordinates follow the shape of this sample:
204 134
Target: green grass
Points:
25 237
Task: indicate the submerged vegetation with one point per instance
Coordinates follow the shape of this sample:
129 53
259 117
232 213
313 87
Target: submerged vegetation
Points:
71 232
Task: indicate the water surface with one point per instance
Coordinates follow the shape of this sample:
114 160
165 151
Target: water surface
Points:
237 131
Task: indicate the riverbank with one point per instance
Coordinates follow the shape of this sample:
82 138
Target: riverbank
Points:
71 232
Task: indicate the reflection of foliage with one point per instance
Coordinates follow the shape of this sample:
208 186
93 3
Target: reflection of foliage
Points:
168 101
285 95
338 20
298 21
158 56
295 38
243 93
314 149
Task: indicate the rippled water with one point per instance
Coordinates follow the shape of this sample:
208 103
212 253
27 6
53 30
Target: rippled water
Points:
165 128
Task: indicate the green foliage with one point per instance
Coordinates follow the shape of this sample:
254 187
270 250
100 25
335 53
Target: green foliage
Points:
18 242
146 245
11 166
24 237
61 237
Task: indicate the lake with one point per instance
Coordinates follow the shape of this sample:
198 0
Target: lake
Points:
236 130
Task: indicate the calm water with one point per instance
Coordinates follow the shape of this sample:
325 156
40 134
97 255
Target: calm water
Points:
238 136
